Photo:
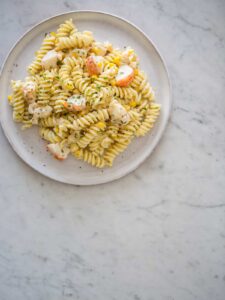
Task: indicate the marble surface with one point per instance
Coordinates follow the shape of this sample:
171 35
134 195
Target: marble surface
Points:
158 233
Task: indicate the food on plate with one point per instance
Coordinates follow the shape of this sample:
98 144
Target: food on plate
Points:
88 98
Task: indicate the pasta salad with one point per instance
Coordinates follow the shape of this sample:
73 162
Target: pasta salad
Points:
87 97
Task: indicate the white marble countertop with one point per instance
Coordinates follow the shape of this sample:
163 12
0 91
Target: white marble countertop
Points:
158 233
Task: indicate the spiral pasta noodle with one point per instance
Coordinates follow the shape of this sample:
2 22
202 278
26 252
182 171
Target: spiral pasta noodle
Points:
44 89
89 157
83 85
48 44
18 102
125 92
59 101
149 120
113 56
141 84
49 121
49 135
77 40
115 150
91 133
91 118
66 29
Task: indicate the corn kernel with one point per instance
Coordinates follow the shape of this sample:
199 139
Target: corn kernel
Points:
94 76
56 129
136 72
113 82
74 54
101 125
111 65
78 153
96 50
69 86
99 64
10 98
117 60
133 103
53 33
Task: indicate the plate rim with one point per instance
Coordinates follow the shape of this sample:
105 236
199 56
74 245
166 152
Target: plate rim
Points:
155 142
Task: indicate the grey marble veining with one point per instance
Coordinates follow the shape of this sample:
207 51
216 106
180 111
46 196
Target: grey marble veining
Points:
158 233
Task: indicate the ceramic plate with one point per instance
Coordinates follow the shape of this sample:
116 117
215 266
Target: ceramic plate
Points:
32 149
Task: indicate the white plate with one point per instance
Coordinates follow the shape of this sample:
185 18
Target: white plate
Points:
31 148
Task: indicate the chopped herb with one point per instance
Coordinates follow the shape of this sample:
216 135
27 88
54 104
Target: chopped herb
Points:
59 63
